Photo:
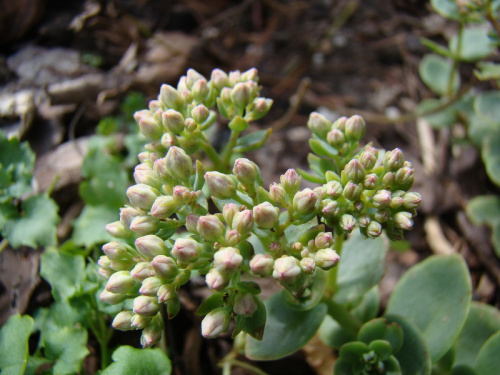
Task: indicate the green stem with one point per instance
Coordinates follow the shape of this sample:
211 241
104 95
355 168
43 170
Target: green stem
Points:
102 333
342 316
3 245
456 61
228 152
332 286
211 152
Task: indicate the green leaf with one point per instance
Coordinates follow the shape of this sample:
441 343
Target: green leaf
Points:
131 361
361 266
435 71
491 156
16 167
446 8
435 47
36 225
435 296
487 107
252 141
63 271
482 322
488 360
439 120
90 226
210 303
476 44
287 330
255 325
487 71
485 209
14 337
413 357
381 329
322 148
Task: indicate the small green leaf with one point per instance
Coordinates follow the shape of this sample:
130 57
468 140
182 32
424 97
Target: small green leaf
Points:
90 227
361 266
36 225
435 71
321 148
487 107
63 271
476 44
14 337
252 141
131 361
413 357
482 322
311 177
487 71
439 120
435 296
435 47
210 303
381 329
287 330
485 209
491 156
488 360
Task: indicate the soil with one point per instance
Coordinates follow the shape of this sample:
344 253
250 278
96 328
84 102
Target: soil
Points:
66 64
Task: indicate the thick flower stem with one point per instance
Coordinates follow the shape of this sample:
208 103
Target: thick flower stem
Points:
228 152
332 286
342 316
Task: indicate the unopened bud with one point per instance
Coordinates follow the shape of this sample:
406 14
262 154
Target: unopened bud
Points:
374 229
170 97
336 138
139 321
127 214
146 306
166 292
245 305
266 215
323 240
388 180
151 334
142 270
163 207
355 128
262 264
404 178
329 208
219 79
116 229
192 76
117 250
305 202
368 157
246 171
144 224
286 269
228 259
334 189
396 202
150 246
121 282
186 250
150 127
347 222
122 320
381 216
403 220
142 196
192 223
167 140
340 124
318 124
210 227
290 181
144 174
243 221
220 185
250 75
232 238
258 109
370 181
277 193
228 213
382 199
106 273
215 323
164 266
364 220
216 280
112 298
104 262
241 94
173 121
352 191
354 171
393 160
411 200
307 265
179 165
200 90
200 113
150 286
326 258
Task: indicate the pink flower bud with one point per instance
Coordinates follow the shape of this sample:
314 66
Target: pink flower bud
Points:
290 181
163 207
150 246
352 191
165 267
152 333
116 229
220 185
307 265
323 240
216 280
200 90
329 208
354 171
318 124
169 97
404 177
142 196
266 215
143 174
186 250
142 270
258 109
277 193
166 293
368 157
229 211
143 225
228 259
232 238
150 127
179 165
150 286
246 171
305 202
336 138
146 306
374 229
243 221
139 321
334 189
245 305
200 113
347 222
340 123
403 220
262 264
117 250
173 121
104 262
219 79
286 269
112 298
355 128
192 223
326 258
396 202
241 94
127 214
122 320
250 75
215 323
370 181
411 200
382 199
393 160
121 282
210 227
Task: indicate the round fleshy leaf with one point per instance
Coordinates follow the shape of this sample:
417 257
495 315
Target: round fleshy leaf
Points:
361 266
486 106
382 348
476 44
435 71
131 361
446 8
286 331
435 296
462 370
353 351
488 360
413 357
14 337
442 119
491 156
381 329
482 322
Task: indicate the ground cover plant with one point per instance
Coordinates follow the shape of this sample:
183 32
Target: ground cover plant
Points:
177 220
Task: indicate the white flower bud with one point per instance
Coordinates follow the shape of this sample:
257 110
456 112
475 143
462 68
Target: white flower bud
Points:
228 259
215 323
